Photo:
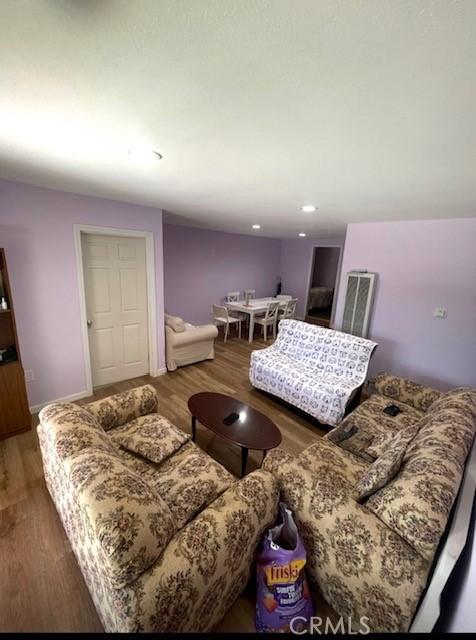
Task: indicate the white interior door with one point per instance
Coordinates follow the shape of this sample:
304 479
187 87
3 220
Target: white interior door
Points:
115 283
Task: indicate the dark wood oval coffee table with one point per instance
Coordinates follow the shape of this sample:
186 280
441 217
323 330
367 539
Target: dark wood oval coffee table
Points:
251 430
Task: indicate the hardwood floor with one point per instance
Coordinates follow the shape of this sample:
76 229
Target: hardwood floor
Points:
41 585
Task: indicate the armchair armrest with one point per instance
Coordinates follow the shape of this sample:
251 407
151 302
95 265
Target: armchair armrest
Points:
208 563
412 393
191 336
124 407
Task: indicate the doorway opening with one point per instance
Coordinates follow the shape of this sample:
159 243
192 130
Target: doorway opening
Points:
116 279
323 280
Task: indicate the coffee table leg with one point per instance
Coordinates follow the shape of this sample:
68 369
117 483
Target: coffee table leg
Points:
244 460
194 428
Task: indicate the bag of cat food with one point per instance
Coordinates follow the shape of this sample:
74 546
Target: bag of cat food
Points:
282 589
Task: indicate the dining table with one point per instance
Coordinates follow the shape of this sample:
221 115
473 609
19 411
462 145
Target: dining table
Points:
253 307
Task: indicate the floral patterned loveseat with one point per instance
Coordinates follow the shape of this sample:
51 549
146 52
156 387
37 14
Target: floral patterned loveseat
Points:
164 535
373 497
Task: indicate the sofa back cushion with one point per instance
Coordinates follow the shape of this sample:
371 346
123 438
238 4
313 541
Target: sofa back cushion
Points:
417 503
68 429
128 523
331 353
123 407
416 395
380 472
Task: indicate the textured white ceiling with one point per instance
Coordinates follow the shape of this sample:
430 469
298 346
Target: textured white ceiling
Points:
365 108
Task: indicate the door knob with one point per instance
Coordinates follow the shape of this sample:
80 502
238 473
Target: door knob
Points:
90 323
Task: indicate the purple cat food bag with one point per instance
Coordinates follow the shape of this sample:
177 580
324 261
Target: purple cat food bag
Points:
282 590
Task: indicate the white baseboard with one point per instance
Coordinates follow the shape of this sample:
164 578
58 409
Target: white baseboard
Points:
159 372
75 396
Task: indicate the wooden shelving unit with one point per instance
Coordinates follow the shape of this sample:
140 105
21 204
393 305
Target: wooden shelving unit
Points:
14 412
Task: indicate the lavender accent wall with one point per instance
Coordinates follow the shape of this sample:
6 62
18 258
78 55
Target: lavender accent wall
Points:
36 230
421 265
201 266
296 264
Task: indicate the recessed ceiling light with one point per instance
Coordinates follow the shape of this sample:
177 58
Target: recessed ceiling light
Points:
308 208
302 235
256 226
144 155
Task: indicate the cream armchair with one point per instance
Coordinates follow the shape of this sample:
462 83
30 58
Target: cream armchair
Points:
186 344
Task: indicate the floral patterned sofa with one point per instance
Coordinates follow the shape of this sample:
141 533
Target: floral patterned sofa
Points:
373 498
315 369
164 535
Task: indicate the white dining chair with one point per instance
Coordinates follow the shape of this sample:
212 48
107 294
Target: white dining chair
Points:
222 317
289 310
233 296
269 319
283 296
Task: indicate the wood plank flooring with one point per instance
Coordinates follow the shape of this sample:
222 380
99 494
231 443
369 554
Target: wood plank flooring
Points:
41 586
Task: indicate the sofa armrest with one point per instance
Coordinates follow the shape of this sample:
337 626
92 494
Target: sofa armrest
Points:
123 407
191 336
208 563
275 459
412 393
360 565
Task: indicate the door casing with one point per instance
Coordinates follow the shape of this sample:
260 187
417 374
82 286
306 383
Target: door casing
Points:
79 229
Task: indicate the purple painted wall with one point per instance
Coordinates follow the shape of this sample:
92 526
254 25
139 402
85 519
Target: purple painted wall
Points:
201 266
326 264
36 230
296 264
421 265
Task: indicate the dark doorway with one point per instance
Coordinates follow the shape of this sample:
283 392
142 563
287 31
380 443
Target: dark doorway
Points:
322 285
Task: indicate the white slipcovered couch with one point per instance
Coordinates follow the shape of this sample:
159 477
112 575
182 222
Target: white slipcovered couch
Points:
315 369
187 344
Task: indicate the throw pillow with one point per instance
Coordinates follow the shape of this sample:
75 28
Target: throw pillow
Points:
175 323
342 432
387 465
153 437
379 444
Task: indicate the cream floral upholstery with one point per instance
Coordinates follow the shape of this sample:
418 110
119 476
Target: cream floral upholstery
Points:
74 429
123 407
162 547
373 559
361 566
410 393
312 368
153 437
131 523
368 423
385 468
417 503
190 481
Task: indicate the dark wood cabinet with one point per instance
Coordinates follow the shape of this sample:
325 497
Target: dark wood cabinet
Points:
14 411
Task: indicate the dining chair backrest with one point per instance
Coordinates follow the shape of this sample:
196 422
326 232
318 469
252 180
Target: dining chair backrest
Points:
250 294
290 308
233 296
283 296
272 312
220 312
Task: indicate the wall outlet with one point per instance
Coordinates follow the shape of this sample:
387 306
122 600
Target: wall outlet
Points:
29 375
440 313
